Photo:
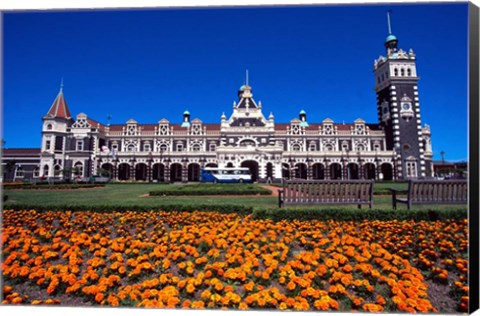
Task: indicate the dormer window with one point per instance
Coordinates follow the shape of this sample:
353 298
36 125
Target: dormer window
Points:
49 127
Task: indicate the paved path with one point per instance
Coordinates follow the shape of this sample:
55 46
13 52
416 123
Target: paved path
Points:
272 188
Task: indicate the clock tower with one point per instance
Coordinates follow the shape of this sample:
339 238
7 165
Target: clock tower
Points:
399 109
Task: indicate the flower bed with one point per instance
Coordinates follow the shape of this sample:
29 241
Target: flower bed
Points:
212 260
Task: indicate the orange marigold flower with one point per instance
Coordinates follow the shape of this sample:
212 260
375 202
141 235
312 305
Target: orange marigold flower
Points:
374 308
291 285
198 305
99 297
190 288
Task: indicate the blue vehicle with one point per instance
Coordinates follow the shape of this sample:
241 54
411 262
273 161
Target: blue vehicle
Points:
226 175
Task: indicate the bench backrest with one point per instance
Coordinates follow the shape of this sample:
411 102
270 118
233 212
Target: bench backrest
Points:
440 191
311 191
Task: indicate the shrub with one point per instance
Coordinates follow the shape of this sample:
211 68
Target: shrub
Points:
359 215
211 189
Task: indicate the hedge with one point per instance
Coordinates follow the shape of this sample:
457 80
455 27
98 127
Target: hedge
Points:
211 189
273 214
46 186
359 215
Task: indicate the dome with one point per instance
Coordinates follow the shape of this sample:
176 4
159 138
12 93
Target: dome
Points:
302 112
390 38
186 112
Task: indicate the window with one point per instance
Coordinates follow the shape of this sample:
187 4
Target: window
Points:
328 147
213 147
196 147
36 172
78 169
146 147
19 173
296 147
402 72
131 147
49 127
360 147
45 171
345 146
179 147
47 145
79 145
411 169
409 72
312 147
163 147
395 72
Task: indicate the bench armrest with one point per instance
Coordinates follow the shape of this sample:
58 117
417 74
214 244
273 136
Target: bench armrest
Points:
397 191
280 200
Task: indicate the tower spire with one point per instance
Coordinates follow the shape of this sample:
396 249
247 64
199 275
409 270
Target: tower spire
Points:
388 21
61 85
246 77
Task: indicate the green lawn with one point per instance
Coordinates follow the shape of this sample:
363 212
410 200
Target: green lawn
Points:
136 195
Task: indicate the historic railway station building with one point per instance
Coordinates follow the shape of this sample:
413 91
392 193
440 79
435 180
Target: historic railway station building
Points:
395 147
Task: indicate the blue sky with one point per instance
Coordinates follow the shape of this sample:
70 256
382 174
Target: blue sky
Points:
154 64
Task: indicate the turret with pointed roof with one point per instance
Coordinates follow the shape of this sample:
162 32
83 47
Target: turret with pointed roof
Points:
59 108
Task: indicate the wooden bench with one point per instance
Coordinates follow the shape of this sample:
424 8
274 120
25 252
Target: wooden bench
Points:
311 192
431 192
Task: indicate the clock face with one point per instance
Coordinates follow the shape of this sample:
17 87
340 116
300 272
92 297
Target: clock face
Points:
406 106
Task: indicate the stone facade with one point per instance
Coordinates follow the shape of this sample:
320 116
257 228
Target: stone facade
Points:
396 147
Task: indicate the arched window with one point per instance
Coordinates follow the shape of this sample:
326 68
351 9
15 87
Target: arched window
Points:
360 147
49 127
196 147
78 169
312 147
131 147
409 72
328 147
395 71
402 72
163 147
45 171
36 172
19 173
296 147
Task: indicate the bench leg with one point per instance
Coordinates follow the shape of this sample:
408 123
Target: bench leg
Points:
394 201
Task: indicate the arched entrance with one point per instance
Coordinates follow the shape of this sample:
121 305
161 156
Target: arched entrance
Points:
269 169
123 171
387 171
175 172
369 171
335 171
211 165
352 171
158 173
253 166
194 172
301 171
285 171
141 172
318 171
229 165
107 169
